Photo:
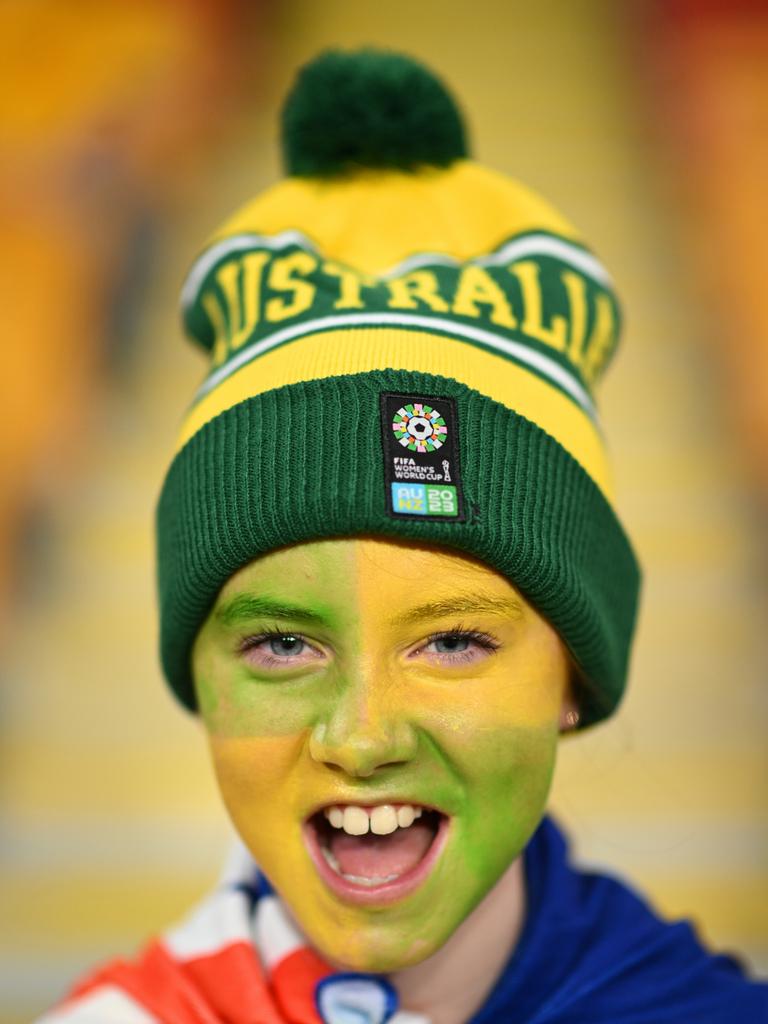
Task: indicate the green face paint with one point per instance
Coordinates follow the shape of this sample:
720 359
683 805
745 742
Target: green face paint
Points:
372 674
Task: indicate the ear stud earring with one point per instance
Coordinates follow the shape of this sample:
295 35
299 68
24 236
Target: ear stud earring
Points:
571 719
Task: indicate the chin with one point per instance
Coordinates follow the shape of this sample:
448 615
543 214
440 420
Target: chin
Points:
376 949
377 954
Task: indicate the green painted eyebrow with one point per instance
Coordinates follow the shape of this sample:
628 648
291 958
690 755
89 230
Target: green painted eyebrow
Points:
245 608
468 604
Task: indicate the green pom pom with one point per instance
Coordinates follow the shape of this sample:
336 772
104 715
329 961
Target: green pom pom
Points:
370 108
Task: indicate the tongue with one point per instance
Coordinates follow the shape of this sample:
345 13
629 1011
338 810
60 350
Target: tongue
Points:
372 856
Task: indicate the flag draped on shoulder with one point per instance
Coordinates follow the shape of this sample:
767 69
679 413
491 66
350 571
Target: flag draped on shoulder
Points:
238 958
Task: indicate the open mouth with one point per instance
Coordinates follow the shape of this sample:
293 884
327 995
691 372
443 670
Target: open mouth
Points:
375 853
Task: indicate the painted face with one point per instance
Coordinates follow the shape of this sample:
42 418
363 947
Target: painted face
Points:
383 721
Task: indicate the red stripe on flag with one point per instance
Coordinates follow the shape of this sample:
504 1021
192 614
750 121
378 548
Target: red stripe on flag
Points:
156 983
233 983
293 983
227 985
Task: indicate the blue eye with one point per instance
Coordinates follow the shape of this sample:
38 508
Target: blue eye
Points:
280 652
451 644
287 646
459 646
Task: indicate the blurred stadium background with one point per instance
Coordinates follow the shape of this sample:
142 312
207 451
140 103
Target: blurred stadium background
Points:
129 129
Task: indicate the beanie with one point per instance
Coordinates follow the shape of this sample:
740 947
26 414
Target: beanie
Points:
402 343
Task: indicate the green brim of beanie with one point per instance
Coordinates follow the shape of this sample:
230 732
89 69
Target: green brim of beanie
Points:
272 471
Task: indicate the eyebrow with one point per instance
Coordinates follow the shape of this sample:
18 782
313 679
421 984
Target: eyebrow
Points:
245 607
467 604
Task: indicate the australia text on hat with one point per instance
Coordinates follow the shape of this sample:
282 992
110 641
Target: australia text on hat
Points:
538 299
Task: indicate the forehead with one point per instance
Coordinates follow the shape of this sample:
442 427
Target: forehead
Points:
340 579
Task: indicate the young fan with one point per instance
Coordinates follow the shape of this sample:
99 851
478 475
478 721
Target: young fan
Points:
390 576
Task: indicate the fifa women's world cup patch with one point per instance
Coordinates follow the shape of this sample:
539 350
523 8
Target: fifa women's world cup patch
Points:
421 456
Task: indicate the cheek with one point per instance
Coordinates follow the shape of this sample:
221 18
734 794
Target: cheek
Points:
507 716
528 689
233 704
509 772
507 766
263 782
254 776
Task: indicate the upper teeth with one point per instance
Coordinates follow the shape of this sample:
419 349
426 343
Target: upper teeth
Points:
381 820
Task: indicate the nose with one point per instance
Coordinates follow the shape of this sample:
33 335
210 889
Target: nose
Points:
364 730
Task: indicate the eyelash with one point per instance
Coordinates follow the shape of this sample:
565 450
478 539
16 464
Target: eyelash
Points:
270 633
254 640
483 640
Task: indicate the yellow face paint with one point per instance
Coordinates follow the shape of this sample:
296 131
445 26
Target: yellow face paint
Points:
369 672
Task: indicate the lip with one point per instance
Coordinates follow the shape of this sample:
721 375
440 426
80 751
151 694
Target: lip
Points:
387 892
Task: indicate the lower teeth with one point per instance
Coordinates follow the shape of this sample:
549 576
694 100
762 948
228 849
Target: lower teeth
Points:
370 882
357 879
330 859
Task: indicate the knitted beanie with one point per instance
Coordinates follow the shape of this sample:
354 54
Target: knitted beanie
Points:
402 343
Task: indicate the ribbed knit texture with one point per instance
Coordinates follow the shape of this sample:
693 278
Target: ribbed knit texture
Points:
305 461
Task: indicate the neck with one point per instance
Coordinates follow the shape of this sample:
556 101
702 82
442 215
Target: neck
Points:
452 984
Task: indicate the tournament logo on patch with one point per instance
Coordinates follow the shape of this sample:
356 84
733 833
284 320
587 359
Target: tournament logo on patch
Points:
421 456
419 428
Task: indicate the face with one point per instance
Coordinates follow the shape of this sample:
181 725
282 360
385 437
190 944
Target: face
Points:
383 721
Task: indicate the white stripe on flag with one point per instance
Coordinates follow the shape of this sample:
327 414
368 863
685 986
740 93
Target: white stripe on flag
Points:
217 922
103 1004
274 933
